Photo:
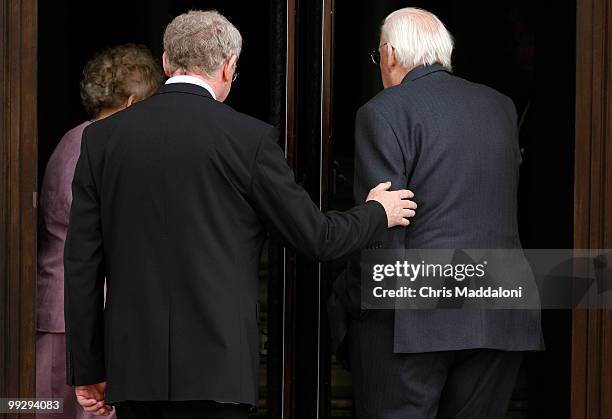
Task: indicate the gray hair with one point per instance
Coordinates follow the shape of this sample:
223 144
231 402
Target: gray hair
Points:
418 38
200 41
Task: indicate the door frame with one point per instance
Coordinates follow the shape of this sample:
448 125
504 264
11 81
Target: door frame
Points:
592 329
18 178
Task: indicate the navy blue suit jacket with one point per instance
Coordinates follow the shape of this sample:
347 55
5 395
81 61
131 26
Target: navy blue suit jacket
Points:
454 143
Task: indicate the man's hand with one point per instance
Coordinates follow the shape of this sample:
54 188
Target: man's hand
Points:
396 203
91 397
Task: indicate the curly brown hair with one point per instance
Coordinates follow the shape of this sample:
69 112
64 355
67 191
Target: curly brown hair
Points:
117 73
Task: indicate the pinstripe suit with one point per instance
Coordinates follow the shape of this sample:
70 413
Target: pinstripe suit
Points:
454 143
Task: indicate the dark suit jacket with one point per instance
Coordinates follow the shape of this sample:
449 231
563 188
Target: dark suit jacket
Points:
172 198
455 145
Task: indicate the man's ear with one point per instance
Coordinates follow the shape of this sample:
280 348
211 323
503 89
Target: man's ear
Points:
228 68
131 100
390 55
165 65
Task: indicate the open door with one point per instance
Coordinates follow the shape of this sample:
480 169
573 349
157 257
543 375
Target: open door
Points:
510 46
555 70
71 32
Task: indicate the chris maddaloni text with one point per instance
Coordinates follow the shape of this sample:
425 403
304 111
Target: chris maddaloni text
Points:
445 292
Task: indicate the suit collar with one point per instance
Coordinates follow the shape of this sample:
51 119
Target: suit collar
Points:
188 88
422 71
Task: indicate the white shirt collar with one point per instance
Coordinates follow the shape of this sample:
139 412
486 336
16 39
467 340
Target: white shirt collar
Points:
192 80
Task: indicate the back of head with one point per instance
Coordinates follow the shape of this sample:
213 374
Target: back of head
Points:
418 38
200 41
117 73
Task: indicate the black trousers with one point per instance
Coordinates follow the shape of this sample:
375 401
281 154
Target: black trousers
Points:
201 409
462 384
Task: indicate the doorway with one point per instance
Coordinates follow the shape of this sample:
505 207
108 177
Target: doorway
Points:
71 32
517 49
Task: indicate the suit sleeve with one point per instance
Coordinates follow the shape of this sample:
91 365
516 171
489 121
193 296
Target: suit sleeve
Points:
378 156
84 279
285 207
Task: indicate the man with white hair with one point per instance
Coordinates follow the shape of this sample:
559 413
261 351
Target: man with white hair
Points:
455 144
171 201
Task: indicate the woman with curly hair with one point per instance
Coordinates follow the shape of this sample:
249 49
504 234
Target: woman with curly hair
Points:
112 81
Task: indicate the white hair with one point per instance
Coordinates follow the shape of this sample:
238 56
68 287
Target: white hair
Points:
418 38
200 41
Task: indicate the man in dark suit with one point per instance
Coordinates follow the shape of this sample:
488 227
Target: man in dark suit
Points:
455 144
171 202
